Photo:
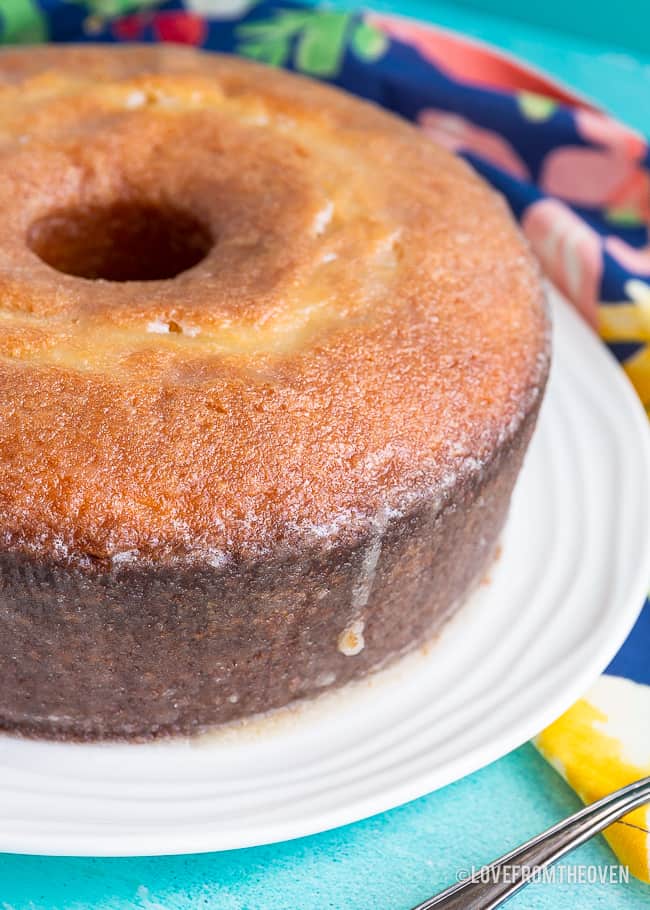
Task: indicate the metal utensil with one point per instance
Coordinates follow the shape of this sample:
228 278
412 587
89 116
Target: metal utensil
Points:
495 883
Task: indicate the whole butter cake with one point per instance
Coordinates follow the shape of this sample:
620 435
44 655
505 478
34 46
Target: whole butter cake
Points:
269 363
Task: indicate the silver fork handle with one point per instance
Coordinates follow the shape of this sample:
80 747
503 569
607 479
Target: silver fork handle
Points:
495 883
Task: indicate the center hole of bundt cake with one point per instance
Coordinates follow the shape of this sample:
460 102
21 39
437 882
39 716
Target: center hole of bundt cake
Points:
125 241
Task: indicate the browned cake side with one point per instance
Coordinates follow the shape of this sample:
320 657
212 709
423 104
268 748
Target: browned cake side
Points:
270 361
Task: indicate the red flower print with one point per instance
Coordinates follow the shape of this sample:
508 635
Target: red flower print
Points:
180 28
129 28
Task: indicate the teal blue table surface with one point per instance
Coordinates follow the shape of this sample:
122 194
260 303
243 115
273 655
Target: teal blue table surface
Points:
392 861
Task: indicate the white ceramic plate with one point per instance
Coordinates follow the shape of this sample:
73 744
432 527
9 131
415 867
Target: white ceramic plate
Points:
561 599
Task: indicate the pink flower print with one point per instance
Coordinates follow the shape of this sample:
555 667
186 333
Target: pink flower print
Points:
633 195
633 259
601 130
609 176
458 134
569 251
594 177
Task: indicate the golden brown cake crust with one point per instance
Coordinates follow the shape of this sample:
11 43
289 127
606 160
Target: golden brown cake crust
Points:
304 389
365 336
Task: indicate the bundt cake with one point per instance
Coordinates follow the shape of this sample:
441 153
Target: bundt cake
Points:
269 363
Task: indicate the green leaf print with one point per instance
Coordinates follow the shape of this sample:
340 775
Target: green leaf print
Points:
274 52
536 107
109 9
625 217
285 24
322 43
368 42
21 22
318 39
